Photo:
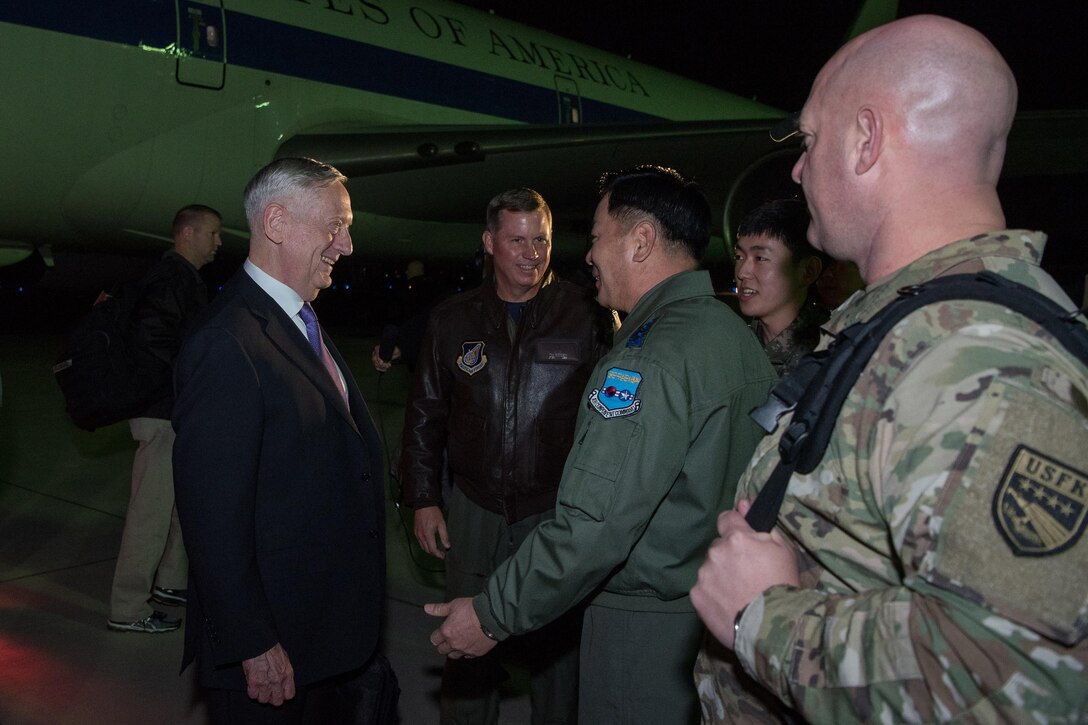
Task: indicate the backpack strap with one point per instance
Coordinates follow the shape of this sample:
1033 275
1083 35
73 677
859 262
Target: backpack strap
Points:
818 388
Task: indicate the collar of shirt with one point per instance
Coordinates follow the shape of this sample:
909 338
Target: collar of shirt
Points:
683 285
1012 252
288 300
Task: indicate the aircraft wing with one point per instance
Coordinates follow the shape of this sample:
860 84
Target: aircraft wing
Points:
447 174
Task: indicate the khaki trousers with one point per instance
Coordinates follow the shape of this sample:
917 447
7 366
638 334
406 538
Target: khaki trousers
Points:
152 552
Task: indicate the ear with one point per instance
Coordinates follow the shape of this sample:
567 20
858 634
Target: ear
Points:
812 267
870 125
489 243
275 222
643 237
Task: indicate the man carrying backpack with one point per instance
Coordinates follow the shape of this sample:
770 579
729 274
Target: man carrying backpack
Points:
930 566
152 561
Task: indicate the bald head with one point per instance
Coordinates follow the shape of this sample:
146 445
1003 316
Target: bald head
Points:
913 116
948 91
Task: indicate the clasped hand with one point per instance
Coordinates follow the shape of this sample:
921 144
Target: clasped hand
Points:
460 635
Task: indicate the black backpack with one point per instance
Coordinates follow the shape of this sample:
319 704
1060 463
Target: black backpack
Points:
818 387
96 368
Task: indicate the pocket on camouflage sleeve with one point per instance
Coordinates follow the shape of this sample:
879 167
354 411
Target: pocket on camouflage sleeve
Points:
1010 533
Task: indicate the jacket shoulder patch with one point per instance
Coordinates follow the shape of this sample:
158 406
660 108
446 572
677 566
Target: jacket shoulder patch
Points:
639 336
616 396
1041 504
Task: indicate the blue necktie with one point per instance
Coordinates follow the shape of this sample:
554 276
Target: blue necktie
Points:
313 334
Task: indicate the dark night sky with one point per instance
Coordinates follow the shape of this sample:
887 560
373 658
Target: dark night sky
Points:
772 49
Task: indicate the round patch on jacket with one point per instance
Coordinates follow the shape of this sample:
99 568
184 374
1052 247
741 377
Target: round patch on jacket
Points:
472 358
616 397
1041 504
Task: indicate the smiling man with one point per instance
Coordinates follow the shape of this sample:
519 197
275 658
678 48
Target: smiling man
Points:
661 438
774 266
930 566
278 469
498 385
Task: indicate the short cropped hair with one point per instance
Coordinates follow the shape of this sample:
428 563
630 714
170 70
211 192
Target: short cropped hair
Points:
516 200
785 220
284 178
678 206
188 215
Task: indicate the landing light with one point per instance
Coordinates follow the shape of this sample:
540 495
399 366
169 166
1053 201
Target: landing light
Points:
171 49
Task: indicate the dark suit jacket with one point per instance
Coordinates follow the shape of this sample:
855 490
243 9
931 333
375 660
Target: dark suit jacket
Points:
279 491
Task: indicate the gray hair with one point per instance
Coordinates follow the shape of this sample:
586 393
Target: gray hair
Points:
285 178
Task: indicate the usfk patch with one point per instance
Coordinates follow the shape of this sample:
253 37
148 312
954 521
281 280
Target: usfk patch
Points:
1041 504
472 358
616 397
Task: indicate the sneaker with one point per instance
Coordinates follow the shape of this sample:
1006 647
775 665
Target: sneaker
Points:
152 624
170 597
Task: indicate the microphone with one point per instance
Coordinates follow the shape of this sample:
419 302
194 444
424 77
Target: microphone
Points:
388 342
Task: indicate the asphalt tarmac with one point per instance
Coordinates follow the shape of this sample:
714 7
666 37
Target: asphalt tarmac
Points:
63 494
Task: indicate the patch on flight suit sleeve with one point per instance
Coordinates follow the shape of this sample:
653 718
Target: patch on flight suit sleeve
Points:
616 396
639 335
472 358
1041 504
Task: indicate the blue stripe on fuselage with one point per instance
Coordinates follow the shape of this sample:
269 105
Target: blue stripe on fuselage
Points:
275 47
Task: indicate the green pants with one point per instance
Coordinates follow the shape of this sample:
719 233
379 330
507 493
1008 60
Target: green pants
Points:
479 541
636 667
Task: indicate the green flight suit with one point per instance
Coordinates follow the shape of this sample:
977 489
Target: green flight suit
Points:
660 442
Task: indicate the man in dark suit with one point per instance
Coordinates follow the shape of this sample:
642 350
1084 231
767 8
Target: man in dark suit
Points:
278 471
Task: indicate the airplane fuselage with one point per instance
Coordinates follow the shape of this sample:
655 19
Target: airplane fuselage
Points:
119 112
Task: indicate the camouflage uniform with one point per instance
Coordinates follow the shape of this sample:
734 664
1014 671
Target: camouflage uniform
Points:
787 348
940 539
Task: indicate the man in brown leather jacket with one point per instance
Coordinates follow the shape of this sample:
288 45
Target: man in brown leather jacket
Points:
497 388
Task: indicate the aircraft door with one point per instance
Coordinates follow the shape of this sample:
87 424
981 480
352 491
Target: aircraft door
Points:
570 100
201 44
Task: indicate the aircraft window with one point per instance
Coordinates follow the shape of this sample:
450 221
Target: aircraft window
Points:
570 100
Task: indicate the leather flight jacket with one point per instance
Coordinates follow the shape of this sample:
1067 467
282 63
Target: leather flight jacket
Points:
501 398
173 294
